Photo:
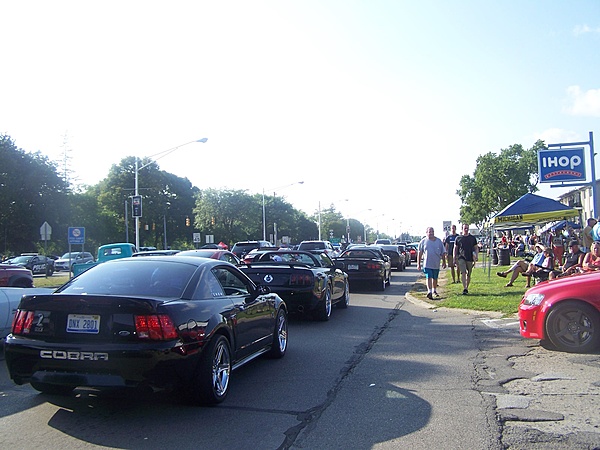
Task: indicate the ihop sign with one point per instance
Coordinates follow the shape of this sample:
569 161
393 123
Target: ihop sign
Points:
565 164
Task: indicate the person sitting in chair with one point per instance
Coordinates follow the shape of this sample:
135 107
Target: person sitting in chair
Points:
573 262
523 267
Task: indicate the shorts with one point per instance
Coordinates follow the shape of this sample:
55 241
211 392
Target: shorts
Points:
450 259
431 273
465 266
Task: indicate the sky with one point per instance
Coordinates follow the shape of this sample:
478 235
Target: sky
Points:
378 107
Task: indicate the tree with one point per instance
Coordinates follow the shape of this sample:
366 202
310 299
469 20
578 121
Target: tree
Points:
31 193
497 181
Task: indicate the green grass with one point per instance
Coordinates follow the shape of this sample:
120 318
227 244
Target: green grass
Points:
486 293
56 280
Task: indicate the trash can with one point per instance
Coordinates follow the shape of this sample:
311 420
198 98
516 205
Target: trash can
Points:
495 256
504 256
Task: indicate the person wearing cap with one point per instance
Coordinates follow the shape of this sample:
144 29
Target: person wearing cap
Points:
524 267
573 262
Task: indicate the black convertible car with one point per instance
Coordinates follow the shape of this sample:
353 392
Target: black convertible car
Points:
309 283
366 264
160 322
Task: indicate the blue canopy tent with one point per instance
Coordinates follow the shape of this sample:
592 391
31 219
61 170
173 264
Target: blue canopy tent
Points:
561 224
528 211
531 210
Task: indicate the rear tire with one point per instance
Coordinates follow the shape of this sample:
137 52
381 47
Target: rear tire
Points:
210 384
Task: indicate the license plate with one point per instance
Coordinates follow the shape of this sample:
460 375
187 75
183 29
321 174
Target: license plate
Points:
83 323
352 266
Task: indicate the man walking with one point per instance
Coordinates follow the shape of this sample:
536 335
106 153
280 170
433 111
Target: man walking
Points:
449 244
434 251
465 255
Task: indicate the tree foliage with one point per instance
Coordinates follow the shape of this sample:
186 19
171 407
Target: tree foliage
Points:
32 191
497 181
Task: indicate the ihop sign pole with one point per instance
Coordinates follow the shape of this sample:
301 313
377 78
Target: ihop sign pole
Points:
565 163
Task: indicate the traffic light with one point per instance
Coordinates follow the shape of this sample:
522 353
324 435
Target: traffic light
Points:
187 221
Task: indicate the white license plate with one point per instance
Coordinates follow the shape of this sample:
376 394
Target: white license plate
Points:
352 266
83 323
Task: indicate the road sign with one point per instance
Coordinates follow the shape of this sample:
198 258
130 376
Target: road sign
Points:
76 235
45 231
565 164
447 224
197 238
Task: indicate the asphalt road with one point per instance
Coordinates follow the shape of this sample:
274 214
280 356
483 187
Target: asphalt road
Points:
387 373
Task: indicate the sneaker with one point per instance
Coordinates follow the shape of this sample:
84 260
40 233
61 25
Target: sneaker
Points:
429 296
465 291
501 274
436 295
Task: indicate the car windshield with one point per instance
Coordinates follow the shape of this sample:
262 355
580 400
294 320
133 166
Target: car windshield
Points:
138 277
312 246
73 255
359 254
289 257
21 259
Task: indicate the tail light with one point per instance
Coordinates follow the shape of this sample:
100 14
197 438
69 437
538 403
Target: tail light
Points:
373 266
22 322
156 327
301 279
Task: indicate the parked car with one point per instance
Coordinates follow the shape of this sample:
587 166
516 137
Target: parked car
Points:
159 321
241 248
38 264
397 259
318 247
221 255
366 264
106 252
15 276
66 261
308 283
564 311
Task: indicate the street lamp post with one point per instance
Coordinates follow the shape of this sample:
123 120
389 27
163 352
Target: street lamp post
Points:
136 191
264 218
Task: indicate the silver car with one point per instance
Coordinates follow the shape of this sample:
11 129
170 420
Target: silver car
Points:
63 262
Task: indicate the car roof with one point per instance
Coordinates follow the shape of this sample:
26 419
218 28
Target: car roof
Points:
171 258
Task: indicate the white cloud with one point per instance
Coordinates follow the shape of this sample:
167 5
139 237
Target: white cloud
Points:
583 103
584 29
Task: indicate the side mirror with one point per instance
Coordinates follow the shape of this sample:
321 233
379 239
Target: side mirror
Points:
262 290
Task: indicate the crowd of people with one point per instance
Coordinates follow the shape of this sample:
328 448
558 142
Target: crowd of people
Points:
550 260
543 255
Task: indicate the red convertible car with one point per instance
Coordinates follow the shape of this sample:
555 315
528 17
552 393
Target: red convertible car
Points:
564 311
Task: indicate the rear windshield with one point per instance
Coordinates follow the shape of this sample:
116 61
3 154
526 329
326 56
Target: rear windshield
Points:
311 246
134 278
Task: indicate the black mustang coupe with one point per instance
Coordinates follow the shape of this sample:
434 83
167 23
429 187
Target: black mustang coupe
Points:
161 322
309 283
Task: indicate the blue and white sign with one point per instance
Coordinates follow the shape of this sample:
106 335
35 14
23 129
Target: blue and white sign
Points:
565 164
76 235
